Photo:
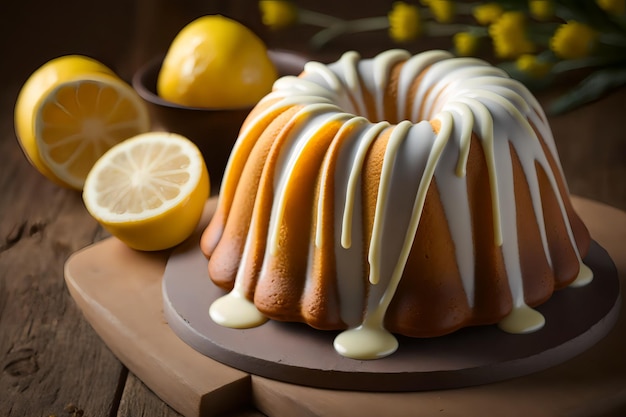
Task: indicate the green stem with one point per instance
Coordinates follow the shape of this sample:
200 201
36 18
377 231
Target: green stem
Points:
324 36
612 39
465 8
478 31
542 33
369 23
589 62
439 29
317 19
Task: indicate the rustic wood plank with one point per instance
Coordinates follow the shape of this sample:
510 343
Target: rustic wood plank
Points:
49 355
122 304
122 301
137 397
138 401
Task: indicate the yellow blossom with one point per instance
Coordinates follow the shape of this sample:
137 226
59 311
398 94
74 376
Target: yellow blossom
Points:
532 66
278 14
509 35
487 13
442 10
573 40
614 7
465 43
404 22
541 9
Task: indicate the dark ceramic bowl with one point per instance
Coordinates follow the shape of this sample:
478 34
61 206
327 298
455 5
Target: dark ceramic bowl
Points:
213 130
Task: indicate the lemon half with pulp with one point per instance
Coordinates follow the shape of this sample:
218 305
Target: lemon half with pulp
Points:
70 111
149 191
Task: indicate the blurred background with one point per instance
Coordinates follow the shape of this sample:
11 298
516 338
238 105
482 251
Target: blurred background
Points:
124 34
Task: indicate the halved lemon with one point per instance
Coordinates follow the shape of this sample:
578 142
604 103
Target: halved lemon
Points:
70 111
149 191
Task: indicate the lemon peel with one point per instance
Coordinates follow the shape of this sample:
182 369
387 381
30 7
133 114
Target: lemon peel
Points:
216 62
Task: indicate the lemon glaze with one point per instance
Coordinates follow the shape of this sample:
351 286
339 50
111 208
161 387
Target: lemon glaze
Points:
463 96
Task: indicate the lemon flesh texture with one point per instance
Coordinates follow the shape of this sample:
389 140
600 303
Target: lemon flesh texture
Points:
40 81
216 62
70 111
149 191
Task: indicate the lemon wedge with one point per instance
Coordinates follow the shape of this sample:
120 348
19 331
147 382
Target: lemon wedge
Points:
149 191
216 62
70 111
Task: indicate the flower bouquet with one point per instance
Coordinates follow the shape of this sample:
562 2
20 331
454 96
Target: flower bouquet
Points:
535 41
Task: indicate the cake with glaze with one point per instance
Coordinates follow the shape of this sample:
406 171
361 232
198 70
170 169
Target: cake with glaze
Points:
412 195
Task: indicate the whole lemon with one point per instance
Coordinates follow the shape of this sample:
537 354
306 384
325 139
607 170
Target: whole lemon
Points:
216 62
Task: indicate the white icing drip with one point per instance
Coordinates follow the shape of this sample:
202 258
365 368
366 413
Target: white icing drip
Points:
235 311
465 136
349 260
455 198
285 169
464 89
322 194
384 215
412 68
508 216
383 64
447 88
483 119
522 319
347 68
354 178
327 79
431 84
585 276
383 200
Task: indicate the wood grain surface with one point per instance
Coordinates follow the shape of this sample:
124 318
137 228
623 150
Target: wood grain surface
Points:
51 361
123 302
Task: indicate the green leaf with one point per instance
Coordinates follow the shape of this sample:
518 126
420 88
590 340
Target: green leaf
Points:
590 89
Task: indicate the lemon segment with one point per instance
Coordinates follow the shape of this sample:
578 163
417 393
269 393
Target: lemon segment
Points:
149 191
216 62
70 111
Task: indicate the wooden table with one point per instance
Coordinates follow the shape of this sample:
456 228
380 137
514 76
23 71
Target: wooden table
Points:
51 361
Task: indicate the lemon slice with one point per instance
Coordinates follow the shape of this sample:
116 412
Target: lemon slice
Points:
70 111
149 191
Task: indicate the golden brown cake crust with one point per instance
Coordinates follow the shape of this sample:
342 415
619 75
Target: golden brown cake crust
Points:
279 220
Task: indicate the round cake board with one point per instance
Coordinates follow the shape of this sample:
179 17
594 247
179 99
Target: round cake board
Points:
576 318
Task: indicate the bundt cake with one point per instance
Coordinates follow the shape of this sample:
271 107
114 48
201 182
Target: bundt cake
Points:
410 195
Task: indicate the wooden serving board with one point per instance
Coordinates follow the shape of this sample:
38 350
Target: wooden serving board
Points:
119 291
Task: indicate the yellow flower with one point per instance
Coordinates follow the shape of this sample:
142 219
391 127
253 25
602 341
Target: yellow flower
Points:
487 13
532 66
541 9
278 14
465 43
573 40
442 10
509 35
614 7
404 22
